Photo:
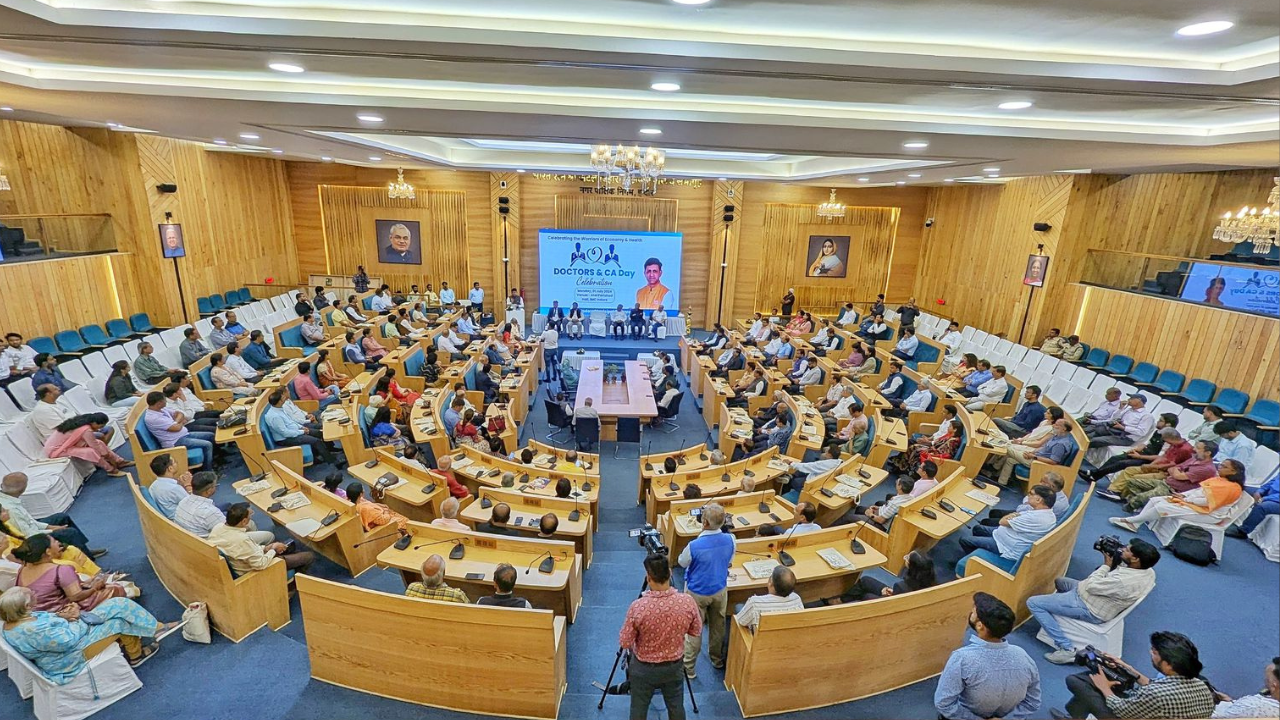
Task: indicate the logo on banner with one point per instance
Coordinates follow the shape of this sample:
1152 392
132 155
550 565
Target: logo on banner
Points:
593 256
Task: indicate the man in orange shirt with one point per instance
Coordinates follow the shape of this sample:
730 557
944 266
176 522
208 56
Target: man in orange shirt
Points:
372 512
651 295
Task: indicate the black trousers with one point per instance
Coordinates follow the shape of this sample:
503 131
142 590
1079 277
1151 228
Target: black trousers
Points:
619 329
648 678
867 588
1113 466
69 535
313 438
1086 698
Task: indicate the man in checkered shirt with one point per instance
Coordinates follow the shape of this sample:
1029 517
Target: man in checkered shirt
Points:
433 586
1176 692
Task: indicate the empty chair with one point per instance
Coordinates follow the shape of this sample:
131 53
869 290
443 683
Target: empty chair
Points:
1189 419
141 322
120 330
1118 366
1265 414
1049 364
131 349
204 307
1079 401
1197 392
1017 354
24 394
9 410
1165 406
1265 461
1059 389
1101 384
1065 370
1096 358
114 354
1168 382
43 345
173 336
95 336
1144 373
97 365
205 326
75 371
1232 401
1125 388
968 332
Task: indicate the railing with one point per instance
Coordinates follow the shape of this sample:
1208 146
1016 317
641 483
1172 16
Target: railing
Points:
31 237
1247 287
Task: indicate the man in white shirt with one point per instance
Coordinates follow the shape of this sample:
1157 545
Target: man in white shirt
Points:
841 410
1261 705
47 415
657 319
198 515
756 324
879 516
802 471
618 323
781 598
168 490
476 296
991 391
245 552
1108 409
1017 531
449 516
467 325
445 345
551 352
805 519
585 412
447 296
953 341
381 301
18 358
312 333
919 400
773 346
1130 426
848 316
239 366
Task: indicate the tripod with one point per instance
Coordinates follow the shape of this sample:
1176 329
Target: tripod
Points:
688 684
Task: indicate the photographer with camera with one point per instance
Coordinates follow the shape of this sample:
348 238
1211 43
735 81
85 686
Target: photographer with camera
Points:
1178 691
706 578
1124 577
655 632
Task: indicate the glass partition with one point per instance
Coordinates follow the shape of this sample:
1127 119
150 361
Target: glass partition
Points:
1247 287
41 237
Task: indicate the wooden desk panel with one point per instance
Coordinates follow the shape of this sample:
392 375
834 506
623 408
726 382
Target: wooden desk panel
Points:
745 506
815 579
408 498
480 473
833 508
529 509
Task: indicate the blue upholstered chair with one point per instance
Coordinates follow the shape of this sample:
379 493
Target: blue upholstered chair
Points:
1096 359
1198 392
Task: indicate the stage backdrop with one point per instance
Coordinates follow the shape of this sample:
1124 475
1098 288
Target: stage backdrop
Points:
601 269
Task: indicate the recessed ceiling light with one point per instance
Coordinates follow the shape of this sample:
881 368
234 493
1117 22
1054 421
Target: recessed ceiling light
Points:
325 158
864 179
915 144
250 136
691 2
913 175
665 87
1077 171
724 179
1205 28
993 176
6 109
219 141
650 131
113 124
991 169
520 171
949 180
369 118
902 182
1015 105
277 151
375 158
285 67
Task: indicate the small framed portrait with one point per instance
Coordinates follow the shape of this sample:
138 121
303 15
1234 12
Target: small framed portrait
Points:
171 242
1037 266
826 256
399 242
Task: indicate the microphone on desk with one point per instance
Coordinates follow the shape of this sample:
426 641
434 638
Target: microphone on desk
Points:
856 547
763 555
784 557
648 466
575 514
456 553
380 537
680 458
981 426
546 566
259 476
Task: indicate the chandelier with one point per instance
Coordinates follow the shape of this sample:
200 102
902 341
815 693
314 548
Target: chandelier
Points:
4 182
627 170
1250 226
400 189
831 210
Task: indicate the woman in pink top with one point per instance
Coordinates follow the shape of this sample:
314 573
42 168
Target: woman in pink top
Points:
77 438
373 349
55 585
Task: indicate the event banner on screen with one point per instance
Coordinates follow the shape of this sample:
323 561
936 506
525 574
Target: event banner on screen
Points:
602 269
1230 286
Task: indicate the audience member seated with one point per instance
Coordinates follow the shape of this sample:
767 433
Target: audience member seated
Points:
781 597
327 371
306 389
1137 485
730 360
373 514
1129 426
1017 531
1053 343
1143 455
245 551
55 585
547 526
826 340
312 332
1061 503
444 469
916 574
988 677
168 426
976 379
907 344
657 319
1112 588
179 396
894 388
258 355
191 349
828 459
1073 351
1212 415
576 324
286 431
59 525
372 349
449 516
55 642
751 385
432 586
504 585
853 438
73 557
1263 704
78 437
804 373
302 307
233 325
873 327
150 370
926 478
990 392
943 448
168 489
237 364
48 412
47 373
1266 501
501 514
1211 500
1028 416
918 401
383 433
1177 692
18 358
879 516
224 378
848 316
1232 444
1053 451
837 401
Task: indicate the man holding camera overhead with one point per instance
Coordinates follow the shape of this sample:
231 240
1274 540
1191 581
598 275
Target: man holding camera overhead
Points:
1123 579
706 578
655 632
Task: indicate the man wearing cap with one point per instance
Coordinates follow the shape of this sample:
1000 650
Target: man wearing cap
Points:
1127 427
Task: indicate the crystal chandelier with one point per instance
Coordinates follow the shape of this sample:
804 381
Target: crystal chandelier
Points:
1250 226
628 170
831 210
400 189
4 182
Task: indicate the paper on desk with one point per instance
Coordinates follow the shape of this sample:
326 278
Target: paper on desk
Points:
847 492
253 487
295 500
760 569
851 481
835 559
689 523
303 526
982 497
779 463
458 464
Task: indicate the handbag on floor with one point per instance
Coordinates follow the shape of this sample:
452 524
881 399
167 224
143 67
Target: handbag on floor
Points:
196 623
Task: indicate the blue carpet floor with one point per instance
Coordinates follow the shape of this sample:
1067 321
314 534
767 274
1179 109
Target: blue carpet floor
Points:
266 676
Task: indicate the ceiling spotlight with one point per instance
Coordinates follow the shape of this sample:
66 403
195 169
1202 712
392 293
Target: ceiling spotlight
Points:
1077 171
113 124
665 87
902 182
285 67
724 179
219 141
369 118
691 2
1205 28
6 109
375 158
913 175
650 131
915 144
520 170
277 151
864 179
993 176
1015 105
325 158
990 169
949 180
250 136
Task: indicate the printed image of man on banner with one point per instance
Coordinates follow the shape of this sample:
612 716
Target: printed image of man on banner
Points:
651 295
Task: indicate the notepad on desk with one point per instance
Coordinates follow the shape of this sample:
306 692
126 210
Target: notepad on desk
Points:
779 463
847 492
303 526
982 497
253 487
835 559
295 500
760 569
460 463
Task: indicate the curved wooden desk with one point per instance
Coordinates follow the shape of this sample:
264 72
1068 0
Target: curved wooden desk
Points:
484 470
714 481
412 497
651 466
815 579
679 527
833 506
527 510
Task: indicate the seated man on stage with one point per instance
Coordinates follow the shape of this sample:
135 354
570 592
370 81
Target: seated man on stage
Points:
555 316
575 323
657 319
636 317
618 323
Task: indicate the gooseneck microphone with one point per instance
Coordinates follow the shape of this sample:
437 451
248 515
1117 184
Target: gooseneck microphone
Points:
546 566
784 557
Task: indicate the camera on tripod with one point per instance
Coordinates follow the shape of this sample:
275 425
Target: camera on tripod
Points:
1090 658
650 539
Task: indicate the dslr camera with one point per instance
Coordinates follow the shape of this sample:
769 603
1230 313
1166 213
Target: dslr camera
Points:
650 539
1112 547
1094 661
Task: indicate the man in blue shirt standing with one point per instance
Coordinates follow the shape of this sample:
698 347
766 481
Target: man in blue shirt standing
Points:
706 578
47 373
988 677
287 432
1029 415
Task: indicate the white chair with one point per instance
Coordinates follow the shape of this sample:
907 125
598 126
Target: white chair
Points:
1018 354
1078 401
1083 376
1126 389
9 411
1065 370
115 354
989 345
1265 462
24 393
97 365
104 680
1189 419
1267 537
968 332
1048 364
1001 347
169 357
173 336
52 485
1107 637
205 326
75 371
1059 390
1166 528
1101 384
159 340
1165 406
599 325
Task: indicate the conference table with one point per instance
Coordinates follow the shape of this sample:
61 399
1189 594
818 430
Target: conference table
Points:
632 397
577 357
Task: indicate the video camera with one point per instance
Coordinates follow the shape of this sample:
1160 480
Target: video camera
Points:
1090 658
1112 547
650 539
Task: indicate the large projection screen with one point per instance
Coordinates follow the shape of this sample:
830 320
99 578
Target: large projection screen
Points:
601 269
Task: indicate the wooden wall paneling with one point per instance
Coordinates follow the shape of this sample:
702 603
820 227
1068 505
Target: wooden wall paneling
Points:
31 308
1230 348
506 237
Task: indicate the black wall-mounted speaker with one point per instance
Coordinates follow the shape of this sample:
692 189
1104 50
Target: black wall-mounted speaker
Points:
1042 227
167 188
